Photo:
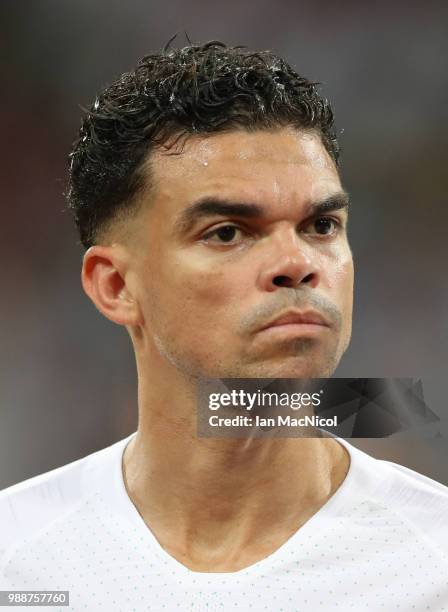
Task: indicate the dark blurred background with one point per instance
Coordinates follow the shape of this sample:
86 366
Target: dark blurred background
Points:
67 375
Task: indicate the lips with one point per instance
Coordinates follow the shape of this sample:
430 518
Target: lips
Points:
309 317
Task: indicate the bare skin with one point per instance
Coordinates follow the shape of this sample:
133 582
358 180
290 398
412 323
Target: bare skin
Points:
193 300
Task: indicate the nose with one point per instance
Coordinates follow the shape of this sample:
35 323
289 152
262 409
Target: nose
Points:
290 263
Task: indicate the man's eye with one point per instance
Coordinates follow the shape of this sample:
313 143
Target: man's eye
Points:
324 226
225 233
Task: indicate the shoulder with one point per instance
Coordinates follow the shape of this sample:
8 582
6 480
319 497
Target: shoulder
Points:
424 501
31 506
416 501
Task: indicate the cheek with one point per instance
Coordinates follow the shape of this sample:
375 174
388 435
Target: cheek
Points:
196 315
339 282
192 294
340 279
344 289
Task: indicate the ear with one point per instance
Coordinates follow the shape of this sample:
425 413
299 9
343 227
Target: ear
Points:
103 278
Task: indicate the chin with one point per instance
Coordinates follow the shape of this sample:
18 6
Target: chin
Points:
289 368
309 364
300 372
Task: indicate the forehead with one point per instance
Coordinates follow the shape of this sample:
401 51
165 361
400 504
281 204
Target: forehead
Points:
277 159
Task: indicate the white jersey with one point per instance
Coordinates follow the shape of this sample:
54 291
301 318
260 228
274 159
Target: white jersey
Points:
380 543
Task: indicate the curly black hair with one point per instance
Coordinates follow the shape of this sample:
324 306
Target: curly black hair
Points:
198 89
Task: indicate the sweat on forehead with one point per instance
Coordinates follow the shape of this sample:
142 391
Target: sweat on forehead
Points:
243 147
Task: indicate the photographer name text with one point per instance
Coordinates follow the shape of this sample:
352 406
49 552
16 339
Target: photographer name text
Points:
276 421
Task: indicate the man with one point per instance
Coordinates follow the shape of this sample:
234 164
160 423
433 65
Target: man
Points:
206 191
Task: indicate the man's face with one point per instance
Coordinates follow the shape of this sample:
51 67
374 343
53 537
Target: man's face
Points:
229 240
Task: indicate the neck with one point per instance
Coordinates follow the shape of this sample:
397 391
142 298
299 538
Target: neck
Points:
208 500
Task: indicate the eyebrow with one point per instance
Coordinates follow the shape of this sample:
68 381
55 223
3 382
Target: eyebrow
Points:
211 206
